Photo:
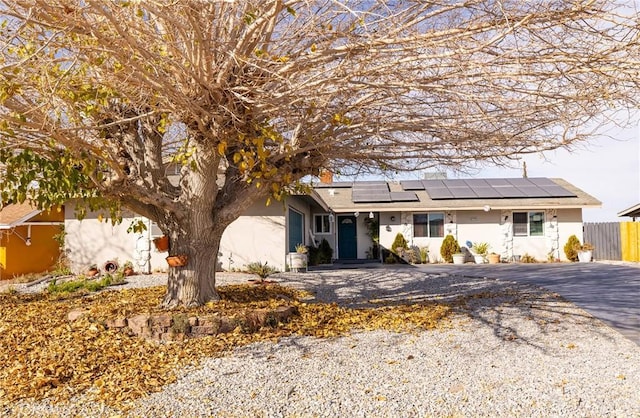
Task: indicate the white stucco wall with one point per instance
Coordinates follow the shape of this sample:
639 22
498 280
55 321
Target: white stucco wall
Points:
259 235
90 241
491 227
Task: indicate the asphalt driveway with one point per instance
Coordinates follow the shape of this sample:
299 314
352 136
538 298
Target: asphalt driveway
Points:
608 292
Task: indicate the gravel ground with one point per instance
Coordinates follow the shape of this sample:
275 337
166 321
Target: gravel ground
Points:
521 351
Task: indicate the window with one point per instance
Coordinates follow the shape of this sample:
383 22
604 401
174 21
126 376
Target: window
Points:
528 224
428 225
321 224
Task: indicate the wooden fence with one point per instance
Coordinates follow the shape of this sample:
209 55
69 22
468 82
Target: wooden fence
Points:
614 240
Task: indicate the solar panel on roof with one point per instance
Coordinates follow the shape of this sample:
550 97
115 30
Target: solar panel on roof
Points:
510 192
439 193
412 185
475 183
455 183
462 192
520 182
542 181
433 183
403 197
558 191
487 192
498 182
371 198
533 191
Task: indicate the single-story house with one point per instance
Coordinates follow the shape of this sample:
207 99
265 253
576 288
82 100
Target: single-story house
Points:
633 212
27 239
516 216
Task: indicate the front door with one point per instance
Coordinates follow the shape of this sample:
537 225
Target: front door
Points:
347 238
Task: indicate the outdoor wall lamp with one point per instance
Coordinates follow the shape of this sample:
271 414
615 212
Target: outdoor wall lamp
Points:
356 214
393 218
370 215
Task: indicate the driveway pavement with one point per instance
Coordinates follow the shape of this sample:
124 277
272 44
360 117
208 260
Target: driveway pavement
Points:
608 292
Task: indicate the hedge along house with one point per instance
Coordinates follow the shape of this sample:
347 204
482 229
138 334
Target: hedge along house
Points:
516 216
262 234
27 239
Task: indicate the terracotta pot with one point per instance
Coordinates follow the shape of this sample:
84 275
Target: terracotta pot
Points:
177 260
494 258
162 243
128 271
92 272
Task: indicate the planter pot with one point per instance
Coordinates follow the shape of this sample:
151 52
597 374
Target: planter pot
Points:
584 256
92 272
128 271
177 260
297 261
458 258
479 259
161 243
494 258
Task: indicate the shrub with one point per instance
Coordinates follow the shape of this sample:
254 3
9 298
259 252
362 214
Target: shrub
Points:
449 247
323 254
481 248
262 270
424 255
526 258
571 248
399 242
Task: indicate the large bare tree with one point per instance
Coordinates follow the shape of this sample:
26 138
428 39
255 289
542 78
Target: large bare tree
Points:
248 97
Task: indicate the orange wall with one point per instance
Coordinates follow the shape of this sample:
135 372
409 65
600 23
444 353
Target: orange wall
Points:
19 258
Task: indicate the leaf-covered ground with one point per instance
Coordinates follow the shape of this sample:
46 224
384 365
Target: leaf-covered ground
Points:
42 354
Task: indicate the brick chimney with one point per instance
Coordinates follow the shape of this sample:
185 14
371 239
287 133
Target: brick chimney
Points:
326 176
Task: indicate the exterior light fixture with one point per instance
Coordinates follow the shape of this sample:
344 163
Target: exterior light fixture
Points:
356 214
371 215
486 208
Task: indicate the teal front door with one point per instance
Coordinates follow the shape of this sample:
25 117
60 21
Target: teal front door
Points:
296 229
347 241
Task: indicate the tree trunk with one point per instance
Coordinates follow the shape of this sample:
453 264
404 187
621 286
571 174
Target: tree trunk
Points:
194 283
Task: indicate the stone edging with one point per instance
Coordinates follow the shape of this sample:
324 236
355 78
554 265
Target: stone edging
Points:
177 327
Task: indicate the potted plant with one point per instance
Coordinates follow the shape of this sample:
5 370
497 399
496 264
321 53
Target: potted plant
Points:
585 252
177 260
480 250
494 258
127 268
298 259
92 270
458 258
161 243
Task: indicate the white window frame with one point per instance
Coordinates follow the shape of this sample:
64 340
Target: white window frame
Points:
528 213
322 215
428 224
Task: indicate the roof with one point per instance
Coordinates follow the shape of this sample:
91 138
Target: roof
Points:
459 194
633 211
15 214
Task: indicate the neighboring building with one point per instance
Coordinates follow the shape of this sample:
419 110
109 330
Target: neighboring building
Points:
633 212
535 216
27 243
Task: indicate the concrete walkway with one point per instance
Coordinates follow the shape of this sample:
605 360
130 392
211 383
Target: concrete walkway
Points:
610 292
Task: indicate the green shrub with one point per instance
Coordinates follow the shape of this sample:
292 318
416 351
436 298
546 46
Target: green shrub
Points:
449 247
262 270
570 248
323 254
399 242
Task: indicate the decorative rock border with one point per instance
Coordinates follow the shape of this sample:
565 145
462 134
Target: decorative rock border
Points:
177 327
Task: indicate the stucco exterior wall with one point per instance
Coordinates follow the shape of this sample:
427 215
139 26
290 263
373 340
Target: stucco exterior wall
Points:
259 235
90 241
491 227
